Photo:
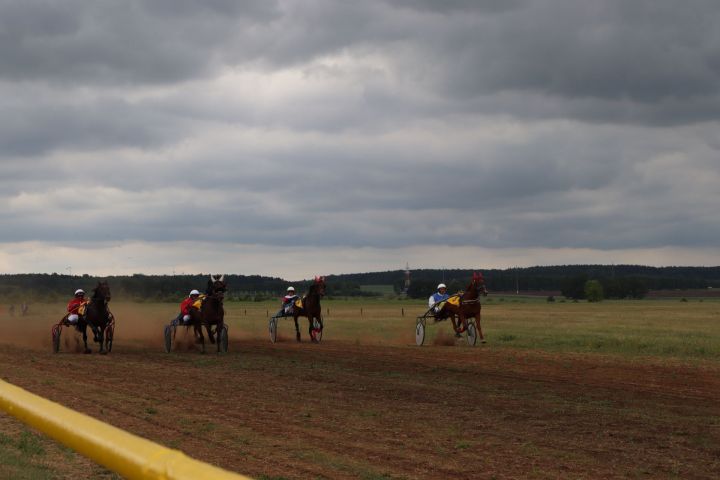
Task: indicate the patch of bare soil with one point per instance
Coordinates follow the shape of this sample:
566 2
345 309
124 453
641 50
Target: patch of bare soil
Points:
342 410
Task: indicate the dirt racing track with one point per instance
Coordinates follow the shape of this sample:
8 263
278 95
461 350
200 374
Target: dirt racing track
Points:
348 410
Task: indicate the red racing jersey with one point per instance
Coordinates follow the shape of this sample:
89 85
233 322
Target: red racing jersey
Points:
186 304
74 304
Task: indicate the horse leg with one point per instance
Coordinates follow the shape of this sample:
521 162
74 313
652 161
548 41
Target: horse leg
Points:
101 336
297 328
84 330
310 328
94 330
199 337
461 324
220 326
479 328
454 323
210 333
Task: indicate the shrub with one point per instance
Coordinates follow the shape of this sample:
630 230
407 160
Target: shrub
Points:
593 291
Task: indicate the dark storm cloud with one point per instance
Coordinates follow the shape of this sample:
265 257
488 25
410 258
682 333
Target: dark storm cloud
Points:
34 126
110 42
635 62
543 123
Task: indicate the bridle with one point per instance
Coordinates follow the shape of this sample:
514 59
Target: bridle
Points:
475 283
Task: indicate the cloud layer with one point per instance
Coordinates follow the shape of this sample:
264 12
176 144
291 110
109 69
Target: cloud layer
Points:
523 126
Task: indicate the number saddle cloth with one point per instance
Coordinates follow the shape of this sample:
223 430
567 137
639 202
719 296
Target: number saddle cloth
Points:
454 300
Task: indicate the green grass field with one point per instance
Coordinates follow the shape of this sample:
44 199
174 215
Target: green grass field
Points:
662 328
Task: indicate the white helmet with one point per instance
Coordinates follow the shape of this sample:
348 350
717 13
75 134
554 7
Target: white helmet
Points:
79 290
291 289
194 292
441 285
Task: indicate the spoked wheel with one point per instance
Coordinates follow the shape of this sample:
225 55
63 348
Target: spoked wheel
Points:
317 331
472 334
109 334
273 329
420 332
168 334
222 339
56 338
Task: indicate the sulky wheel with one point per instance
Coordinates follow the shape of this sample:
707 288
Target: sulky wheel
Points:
272 326
56 338
420 332
168 334
472 334
222 339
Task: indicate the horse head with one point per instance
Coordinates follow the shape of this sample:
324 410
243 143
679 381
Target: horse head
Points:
319 285
475 287
216 286
102 292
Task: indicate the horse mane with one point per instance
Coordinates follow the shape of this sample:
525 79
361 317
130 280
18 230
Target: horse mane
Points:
315 285
96 291
473 289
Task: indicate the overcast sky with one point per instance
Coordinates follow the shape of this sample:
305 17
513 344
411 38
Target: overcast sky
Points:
302 138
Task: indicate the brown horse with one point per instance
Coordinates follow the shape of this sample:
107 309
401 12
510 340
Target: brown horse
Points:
469 306
94 314
311 309
98 317
212 314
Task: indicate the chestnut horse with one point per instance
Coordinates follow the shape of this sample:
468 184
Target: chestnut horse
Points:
97 316
310 308
469 306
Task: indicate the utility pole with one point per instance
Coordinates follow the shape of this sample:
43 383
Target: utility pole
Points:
407 277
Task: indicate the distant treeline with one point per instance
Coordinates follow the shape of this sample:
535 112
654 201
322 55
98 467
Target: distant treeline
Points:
153 288
618 281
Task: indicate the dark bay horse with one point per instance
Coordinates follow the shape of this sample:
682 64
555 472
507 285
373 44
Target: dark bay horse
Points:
310 308
212 314
97 316
469 306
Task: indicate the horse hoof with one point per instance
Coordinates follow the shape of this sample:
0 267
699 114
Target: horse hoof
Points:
87 350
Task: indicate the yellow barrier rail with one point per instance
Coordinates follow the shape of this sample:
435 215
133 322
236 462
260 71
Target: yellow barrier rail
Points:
131 456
